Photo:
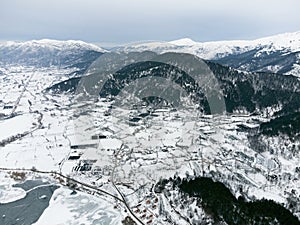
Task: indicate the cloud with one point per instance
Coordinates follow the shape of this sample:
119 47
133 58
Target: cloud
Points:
133 20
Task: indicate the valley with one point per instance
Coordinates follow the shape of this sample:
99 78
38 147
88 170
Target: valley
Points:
108 159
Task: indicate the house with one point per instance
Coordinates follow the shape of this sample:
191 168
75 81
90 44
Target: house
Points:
110 144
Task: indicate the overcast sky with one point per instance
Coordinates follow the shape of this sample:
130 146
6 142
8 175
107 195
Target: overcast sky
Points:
123 21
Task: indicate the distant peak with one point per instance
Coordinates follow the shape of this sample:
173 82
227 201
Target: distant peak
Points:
58 44
183 41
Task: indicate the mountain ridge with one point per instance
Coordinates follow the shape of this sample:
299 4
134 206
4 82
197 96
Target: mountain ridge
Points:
278 54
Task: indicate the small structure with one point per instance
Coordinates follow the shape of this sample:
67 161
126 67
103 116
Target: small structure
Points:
80 144
8 107
98 136
247 127
74 155
97 170
84 165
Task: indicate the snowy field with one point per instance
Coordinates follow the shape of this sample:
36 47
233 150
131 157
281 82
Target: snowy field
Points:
110 150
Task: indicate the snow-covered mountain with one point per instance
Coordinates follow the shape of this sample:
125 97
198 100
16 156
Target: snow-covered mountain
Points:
279 53
248 92
48 52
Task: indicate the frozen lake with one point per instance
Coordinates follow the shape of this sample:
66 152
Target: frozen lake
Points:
27 210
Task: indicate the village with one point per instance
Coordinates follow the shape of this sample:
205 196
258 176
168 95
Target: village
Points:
127 151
